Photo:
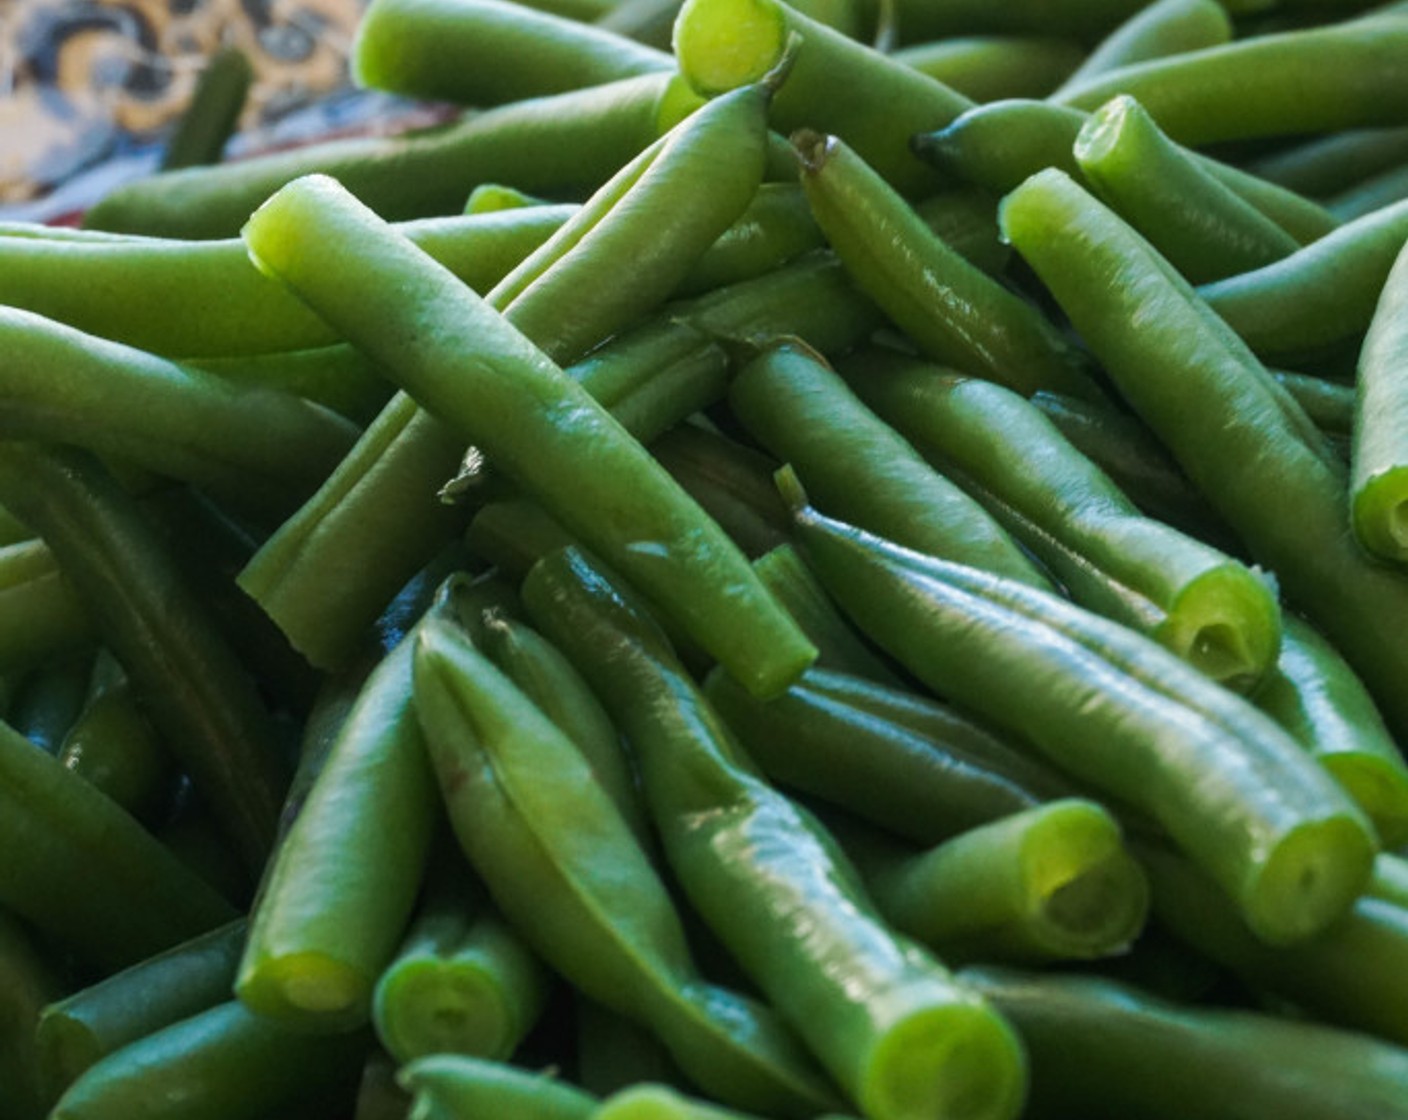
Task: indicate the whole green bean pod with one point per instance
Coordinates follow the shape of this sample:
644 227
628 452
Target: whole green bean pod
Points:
567 144
1346 75
453 1085
1289 501
835 83
203 299
837 738
83 871
462 981
256 447
1378 484
882 1015
341 888
860 469
1205 229
953 311
1315 696
540 427
999 145
1100 1048
1159 30
1116 710
488 52
992 67
222 1064
86 1026
1320 296
1050 883
192 685
27 983
563 866
1209 609
1351 975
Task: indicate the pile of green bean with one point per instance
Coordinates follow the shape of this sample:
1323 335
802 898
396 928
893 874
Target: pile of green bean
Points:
833 561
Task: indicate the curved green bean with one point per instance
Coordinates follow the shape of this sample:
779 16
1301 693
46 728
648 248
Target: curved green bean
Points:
454 1085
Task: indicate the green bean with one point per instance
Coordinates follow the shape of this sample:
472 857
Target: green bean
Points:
451 1085
1347 75
1385 189
991 67
732 483
1379 467
487 52
1390 881
212 113
1330 164
882 1015
1120 712
201 702
205 299
462 981
342 886
259 447
1203 227
407 453
1315 696
547 678
1289 502
953 311
1320 296
83 871
841 649
112 745
861 469
1207 608
925 784
1050 883
379 1097
1351 975
835 83
1160 30
566 144
336 377
965 219
76 1032
1100 1048
927 19
1125 450
27 983
512 535
221 1064
999 145
660 1102
1329 404
566 871
776 228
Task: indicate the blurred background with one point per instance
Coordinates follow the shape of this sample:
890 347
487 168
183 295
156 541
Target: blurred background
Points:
90 90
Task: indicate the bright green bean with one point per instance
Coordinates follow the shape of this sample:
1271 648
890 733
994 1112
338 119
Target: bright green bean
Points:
451 1086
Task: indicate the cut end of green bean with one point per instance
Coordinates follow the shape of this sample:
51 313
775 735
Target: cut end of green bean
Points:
1226 624
303 985
1378 787
960 1062
66 1047
1381 515
1100 135
1310 879
1091 897
813 149
444 1008
724 44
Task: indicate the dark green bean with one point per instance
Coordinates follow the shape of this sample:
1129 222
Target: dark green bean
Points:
212 113
198 696
27 983
79 1030
113 745
448 1085
1331 164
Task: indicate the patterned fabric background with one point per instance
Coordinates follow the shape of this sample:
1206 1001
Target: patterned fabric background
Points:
88 88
